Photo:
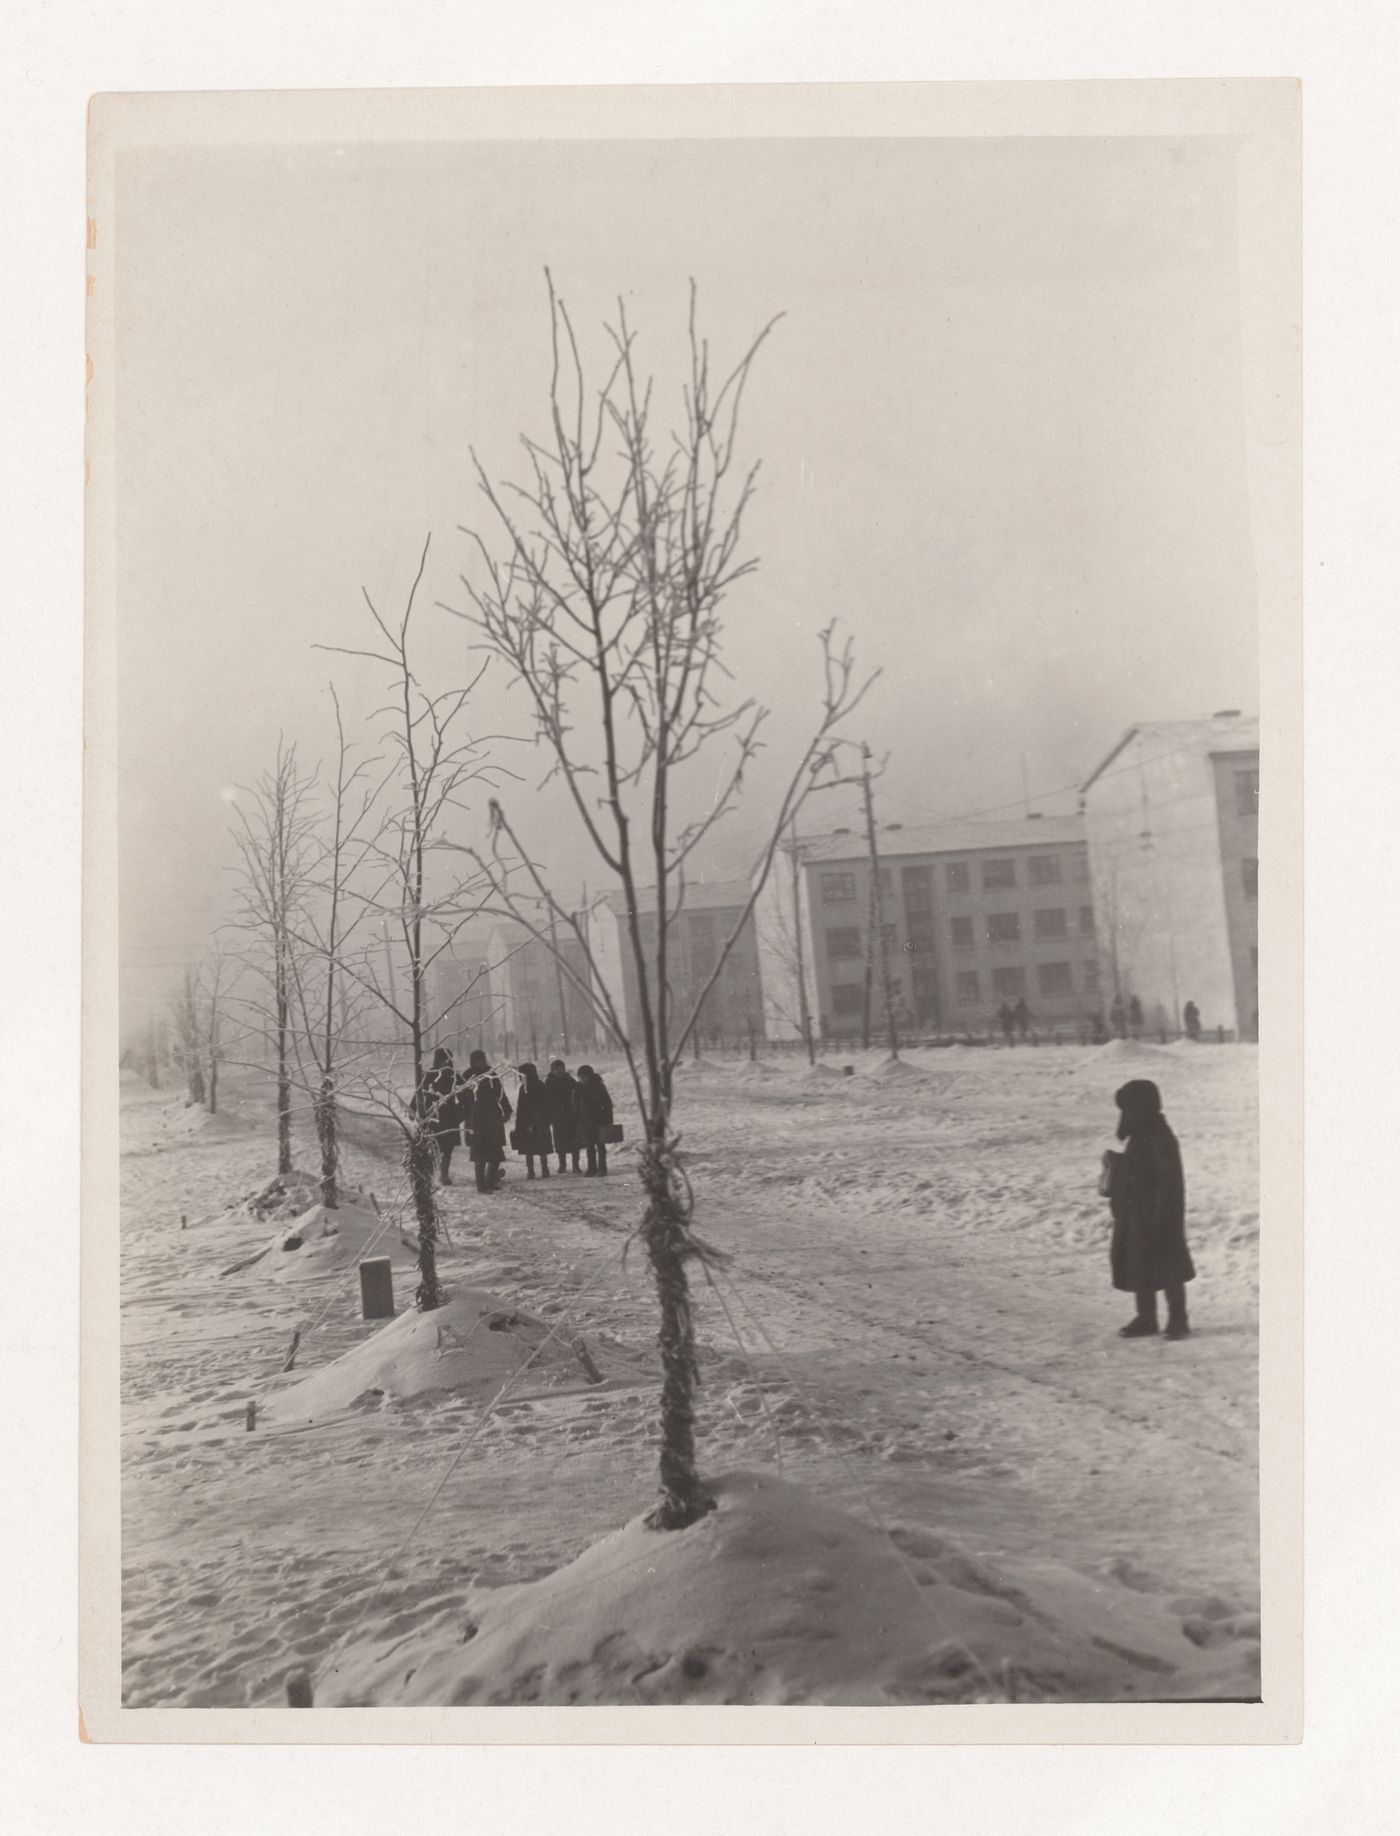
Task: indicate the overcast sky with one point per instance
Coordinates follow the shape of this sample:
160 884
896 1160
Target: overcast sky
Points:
1001 427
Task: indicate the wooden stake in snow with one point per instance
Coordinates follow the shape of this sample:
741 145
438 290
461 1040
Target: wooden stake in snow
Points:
585 1358
292 1352
250 1417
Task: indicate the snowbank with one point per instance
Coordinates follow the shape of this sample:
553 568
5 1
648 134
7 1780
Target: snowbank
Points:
1130 1052
470 1346
779 1597
894 1071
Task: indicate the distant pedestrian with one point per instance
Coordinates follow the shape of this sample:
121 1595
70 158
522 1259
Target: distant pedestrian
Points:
594 1109
1191 1019
441 1107
1135 1016
1008 1023
1118 1014
1147 1199
490 1112
1023 1017
1098 1029
559 1090
531 1122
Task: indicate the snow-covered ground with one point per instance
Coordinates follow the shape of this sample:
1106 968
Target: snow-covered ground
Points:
941 1475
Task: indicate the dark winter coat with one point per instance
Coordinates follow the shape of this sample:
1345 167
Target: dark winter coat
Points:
441 1106
559 1092
1147 1196
531 1122
593 1110
490 1111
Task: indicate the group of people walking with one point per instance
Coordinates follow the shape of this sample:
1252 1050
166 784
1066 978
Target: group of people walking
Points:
558 1114
564 1115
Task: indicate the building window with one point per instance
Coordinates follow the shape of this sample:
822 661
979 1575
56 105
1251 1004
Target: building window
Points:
847 998
918 889
843 943
1045 870
1091 978
1086 921
1249 872
963 935
959 877
998 874
1081 864
1246 793
1055 979
1051 923
838 886
1009 982
889 939
1003 927
969 989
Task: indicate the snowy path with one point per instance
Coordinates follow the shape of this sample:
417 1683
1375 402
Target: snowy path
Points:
922 1256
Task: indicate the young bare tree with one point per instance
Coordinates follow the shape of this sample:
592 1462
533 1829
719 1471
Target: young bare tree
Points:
188 1030
272 829
328 943
434 762
200 1018
602 592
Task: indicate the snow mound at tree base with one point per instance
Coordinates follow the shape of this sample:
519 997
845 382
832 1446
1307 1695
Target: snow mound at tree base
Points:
1130 1052
894 1071
777 1597
317 1241
470 1346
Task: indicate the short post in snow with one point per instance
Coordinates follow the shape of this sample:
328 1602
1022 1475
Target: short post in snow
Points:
377 1289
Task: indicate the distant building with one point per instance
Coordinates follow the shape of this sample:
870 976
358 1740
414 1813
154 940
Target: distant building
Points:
707 916
977 916
1172 821
463 996
542 1009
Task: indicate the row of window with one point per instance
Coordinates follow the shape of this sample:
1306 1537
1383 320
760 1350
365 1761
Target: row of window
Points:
997 875
845 942
1009 984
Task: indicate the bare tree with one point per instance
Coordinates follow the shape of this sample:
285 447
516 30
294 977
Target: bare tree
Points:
189 1032
604 600
433 762
272 829
329 947
199 1013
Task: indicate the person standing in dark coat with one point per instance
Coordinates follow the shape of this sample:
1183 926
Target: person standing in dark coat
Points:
440 1105
1118 1014
593 1107
490 1112
1022 1015
1008 1022
1191 1018
1147 1197
531 1122
1135 1016
559 1091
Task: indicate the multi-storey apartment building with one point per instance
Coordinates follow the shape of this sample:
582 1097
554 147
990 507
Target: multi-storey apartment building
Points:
542 1008
1172 821
708 916
977 916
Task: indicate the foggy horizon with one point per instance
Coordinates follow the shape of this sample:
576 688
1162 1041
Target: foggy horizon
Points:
1001 429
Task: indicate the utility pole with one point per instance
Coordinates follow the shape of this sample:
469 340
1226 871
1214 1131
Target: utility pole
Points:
393 978
559 983
875 932
803 1011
